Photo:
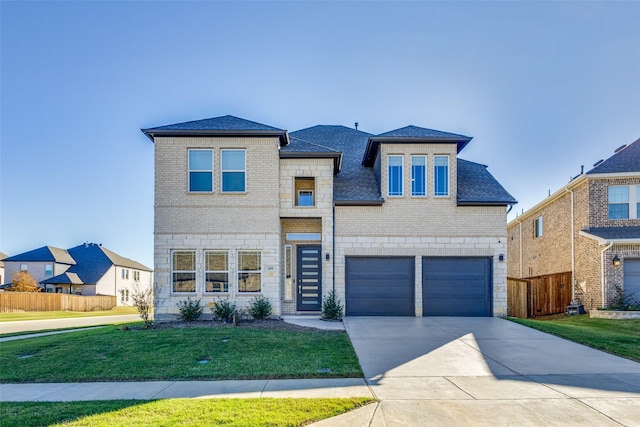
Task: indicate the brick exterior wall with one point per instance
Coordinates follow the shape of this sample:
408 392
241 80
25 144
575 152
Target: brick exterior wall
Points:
599 202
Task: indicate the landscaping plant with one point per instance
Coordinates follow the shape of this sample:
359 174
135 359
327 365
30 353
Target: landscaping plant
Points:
143 302
332 308
260 308
189 311
225 310
624 301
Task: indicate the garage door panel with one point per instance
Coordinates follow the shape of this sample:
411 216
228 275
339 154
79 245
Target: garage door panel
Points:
456 286
632 277
380 286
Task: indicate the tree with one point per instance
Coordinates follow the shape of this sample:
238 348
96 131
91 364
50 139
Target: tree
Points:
143 301
22 281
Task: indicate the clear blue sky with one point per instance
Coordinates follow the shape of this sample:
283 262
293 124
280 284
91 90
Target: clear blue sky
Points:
543 87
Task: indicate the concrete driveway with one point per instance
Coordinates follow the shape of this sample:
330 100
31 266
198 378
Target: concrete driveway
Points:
446 371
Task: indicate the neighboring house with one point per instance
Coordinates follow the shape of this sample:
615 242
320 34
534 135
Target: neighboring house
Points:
87 269
590 227
2 276
395 223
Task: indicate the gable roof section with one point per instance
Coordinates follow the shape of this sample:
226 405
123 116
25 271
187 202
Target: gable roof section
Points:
121 261
218 126
65 278
606 235
413 135
299 148
93 261
2 258
43 254
624 161
477 187
354 184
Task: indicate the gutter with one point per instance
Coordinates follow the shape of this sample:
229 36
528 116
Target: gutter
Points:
358 202
602 270
520 226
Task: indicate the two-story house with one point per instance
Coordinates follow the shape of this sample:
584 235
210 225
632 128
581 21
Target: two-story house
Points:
590 227
395 223
86 269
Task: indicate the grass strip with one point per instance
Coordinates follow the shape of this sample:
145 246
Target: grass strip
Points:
177 412
47 315
115 353
616 336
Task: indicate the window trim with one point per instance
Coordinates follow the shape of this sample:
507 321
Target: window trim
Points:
436 193
400 192
239 271
45 270
424 176
194 271
223 170
538 227
189 170
217 251
288 273
630 203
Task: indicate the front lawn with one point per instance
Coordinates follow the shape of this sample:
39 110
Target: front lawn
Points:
114 353
619 337
46 315
177 412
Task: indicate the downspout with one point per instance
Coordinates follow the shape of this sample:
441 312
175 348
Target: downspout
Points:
573 259
333 249
520 244
602 271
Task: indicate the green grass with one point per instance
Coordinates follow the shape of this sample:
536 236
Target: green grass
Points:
114 354
177 412
619 337
46 315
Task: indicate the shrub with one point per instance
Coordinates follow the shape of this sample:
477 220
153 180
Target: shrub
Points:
225 310
143 301
260 308
332 308
623 301
189 311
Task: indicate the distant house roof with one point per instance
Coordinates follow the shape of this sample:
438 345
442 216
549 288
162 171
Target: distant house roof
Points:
93 261
2 257
223 125
476 186
45 253
65 278
625 160
620 235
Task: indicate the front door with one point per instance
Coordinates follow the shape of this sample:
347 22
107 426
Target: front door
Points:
309 277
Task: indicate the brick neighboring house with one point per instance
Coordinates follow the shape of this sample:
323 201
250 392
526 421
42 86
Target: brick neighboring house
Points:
395 223
87 269
590 227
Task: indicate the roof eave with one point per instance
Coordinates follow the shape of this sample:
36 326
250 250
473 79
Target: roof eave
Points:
374 142
359 202
604 241
152 133
613 175
336 156
487 203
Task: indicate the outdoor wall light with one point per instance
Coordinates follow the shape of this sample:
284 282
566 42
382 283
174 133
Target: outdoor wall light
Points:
501 257
616 261
327 256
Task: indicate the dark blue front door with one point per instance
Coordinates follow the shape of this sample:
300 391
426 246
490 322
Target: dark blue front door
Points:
309 277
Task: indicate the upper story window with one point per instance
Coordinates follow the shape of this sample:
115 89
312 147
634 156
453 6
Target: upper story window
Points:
23 267
305 188
216 271
200 171
249 271
395 175
48 270
233 171
537 227
619 202
418 176
441 176
183 271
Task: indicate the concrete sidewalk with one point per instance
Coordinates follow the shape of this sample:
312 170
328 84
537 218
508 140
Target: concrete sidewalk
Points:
73 322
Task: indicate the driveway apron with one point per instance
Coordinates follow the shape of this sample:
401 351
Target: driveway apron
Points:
488 371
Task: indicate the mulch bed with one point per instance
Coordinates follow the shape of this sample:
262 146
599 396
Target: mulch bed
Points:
268 324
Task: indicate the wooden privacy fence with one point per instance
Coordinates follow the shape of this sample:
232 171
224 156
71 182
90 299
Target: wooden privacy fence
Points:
32 301
539 296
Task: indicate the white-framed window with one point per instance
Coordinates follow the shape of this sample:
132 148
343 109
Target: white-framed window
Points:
537 227
249 271
48 270
233 171
183 271
200 171
395 175
304 236
441 176
305 188
288 269
216 274
24 267
136 275
418 176
619 202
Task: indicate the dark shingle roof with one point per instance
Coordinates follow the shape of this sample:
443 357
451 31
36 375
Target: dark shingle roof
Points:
65 278
45 253
354 182
476 186
614 233
223 125
418 132
625 160
93 261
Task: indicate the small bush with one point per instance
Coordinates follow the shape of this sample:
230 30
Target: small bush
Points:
624 301
189 311
143 301
260 308
225 310
332 308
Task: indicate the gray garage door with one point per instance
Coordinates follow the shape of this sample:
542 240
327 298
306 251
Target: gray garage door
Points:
456 286
632 277
380 286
